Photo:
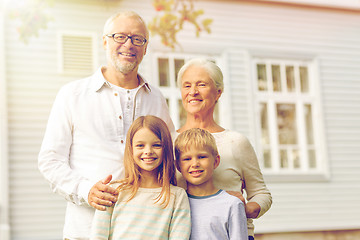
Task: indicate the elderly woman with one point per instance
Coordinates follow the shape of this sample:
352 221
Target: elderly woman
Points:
201 84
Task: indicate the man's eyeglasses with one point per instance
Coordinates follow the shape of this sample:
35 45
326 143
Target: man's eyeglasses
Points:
122 38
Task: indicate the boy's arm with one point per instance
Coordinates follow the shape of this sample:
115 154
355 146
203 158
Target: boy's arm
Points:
180 226
101 224
237 222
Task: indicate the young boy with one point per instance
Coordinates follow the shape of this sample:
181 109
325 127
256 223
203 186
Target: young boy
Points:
215 214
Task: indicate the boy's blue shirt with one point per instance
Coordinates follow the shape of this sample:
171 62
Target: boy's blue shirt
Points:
217 216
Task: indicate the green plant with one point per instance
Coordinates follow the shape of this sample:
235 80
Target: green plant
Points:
33 17
172 15
169 20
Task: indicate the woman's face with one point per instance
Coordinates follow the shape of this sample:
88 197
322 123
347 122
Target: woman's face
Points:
198 91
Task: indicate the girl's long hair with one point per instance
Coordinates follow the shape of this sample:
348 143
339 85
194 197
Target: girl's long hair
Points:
166 170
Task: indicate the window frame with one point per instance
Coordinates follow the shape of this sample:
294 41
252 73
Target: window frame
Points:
321 173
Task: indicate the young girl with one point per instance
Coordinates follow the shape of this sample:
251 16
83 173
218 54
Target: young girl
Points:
149 204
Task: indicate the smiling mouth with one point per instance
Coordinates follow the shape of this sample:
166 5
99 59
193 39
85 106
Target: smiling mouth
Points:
127 54
195 101
196 173
148 160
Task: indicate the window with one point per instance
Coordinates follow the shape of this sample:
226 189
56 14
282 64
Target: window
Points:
166 68
286 100
77 53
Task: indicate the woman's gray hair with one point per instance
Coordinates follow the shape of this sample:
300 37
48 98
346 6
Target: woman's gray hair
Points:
111 19
212 69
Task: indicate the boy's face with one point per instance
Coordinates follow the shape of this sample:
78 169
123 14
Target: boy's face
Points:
197 165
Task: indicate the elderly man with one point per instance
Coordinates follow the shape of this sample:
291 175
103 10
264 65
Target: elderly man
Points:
85 136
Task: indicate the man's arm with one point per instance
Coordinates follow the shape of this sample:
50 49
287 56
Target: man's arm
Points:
102 195
54 162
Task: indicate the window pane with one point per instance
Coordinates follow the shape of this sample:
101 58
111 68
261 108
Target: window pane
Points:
275 69
264 124
286 120
309 124
163 72
296 158
290 80
261 73
267 158
284 159
304 79
312 158
178 63
182 113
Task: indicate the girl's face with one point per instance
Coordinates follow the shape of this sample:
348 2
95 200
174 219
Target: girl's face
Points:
147 150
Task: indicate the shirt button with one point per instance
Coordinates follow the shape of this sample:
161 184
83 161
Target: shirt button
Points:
120 117
129 98
122 141
115 94
128 91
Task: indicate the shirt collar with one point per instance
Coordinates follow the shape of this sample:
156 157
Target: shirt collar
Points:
144 83
100 81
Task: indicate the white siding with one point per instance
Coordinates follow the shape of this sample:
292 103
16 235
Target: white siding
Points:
33 81
333 39
240 30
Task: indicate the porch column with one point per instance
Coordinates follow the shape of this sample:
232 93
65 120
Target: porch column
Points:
4 159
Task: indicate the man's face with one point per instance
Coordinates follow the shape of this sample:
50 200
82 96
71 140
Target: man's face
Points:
125 57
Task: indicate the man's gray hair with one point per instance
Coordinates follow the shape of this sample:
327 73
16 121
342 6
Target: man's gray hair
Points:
111 19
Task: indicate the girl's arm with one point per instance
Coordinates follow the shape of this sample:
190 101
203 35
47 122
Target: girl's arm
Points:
180 226
101 225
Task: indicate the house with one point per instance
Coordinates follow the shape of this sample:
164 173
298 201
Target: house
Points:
292 83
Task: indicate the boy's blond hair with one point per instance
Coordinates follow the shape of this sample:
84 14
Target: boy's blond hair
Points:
194 137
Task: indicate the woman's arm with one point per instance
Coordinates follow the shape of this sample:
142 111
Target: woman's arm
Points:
252 209
258 195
